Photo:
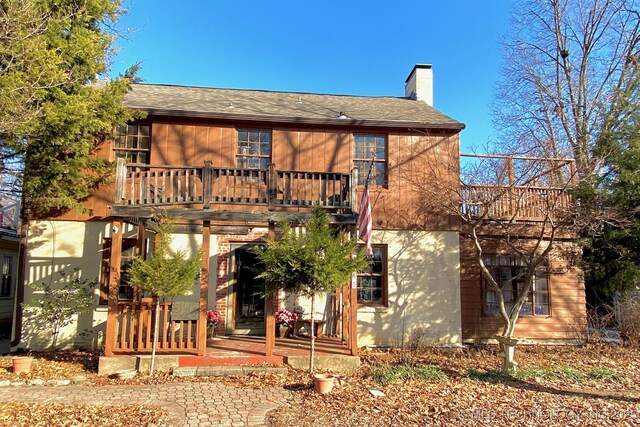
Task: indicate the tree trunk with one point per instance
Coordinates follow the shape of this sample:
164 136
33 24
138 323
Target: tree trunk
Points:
155 337
507 352
313 335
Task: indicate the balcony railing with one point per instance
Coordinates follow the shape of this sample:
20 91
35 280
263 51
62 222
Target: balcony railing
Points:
517 203
143 185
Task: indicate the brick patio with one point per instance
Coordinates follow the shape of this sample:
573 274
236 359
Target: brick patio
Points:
188 404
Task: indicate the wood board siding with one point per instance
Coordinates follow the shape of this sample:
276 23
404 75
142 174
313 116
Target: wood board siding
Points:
567 298
188 143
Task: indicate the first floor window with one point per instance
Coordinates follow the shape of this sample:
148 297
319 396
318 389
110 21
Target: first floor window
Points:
125 291
7 276
132 143
370 148
509 272
372 282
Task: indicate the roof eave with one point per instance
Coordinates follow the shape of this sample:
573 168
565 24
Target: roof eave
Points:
300 120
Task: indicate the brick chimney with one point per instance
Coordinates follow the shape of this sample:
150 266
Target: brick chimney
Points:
419 84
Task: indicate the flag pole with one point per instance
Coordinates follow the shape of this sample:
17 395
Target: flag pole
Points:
365 221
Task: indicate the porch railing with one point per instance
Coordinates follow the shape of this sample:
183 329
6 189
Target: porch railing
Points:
141 184
136 326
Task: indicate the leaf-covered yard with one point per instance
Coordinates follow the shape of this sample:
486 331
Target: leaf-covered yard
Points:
555 386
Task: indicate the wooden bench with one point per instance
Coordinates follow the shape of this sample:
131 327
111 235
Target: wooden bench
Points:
317 324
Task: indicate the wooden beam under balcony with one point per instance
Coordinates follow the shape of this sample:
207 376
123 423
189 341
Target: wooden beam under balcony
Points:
225 215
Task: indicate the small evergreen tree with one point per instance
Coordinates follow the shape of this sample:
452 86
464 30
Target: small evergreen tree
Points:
316 261
166 274
60 303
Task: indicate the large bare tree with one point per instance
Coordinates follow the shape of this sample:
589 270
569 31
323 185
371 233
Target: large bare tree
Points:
567 75
506 208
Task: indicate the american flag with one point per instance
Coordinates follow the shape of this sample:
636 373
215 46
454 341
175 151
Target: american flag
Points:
365 221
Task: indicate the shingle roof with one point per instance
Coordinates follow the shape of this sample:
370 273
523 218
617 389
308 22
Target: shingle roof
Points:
285 106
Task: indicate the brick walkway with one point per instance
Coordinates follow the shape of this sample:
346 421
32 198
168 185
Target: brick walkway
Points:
188 404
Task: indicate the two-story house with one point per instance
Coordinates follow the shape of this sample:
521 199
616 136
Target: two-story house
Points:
228 165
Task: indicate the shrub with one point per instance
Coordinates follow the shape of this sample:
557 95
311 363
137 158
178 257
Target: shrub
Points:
490 376
571 374
56 305
387 374
599 373
528 373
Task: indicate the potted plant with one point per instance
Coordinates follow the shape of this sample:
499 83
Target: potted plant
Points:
213 318
21 364
285 321
323 383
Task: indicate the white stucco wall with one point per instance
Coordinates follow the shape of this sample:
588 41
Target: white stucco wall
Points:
64 245
423 273
423 287
58 245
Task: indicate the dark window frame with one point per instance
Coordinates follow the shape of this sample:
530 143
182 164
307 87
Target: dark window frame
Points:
122 147
384 277
127 244
505 269
362 159
6 278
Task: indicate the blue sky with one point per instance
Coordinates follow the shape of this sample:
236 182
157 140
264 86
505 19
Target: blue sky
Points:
342 47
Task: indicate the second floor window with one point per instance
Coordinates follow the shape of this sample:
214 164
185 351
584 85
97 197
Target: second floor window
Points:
368 147
132 143
254 148
509 272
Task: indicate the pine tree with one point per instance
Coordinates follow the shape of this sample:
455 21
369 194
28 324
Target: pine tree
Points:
311 262
166 274
54 110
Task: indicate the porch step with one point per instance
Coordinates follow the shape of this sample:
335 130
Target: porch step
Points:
335 363
228 360
226 371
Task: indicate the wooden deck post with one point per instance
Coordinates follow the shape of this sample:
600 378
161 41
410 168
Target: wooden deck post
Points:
344 327
114 280
204 289
121 180
207 184
353 191
512 202
270 321
272 187
353 314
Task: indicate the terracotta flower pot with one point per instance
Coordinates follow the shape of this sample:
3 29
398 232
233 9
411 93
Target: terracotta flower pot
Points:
323 383
21 364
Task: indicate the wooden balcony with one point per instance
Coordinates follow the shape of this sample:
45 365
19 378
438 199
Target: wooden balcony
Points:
514 203
538 193
140 187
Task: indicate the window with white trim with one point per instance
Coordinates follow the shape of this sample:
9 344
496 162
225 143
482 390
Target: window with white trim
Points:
509 272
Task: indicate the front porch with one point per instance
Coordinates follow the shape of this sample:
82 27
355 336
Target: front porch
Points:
239 351
217 198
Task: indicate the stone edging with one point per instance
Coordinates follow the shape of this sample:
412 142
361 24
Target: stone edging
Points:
79 379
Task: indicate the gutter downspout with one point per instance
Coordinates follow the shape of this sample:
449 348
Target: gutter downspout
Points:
20 281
